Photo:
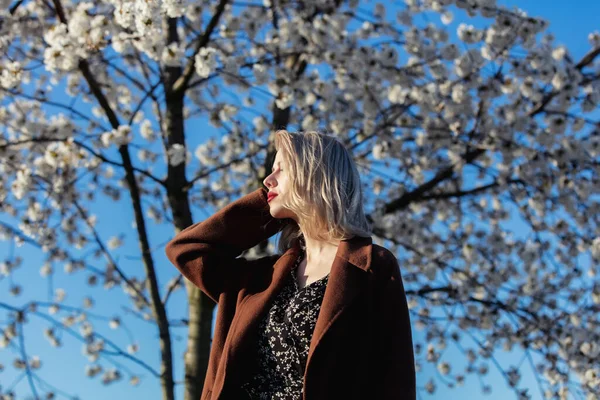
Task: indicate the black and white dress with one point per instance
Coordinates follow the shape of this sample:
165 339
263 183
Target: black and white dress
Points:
284 338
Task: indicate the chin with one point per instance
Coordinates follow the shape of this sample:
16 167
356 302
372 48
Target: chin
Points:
279 212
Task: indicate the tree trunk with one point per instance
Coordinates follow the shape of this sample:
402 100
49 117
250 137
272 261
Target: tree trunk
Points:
200 306
199 341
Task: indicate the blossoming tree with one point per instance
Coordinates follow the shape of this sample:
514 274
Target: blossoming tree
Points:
482 124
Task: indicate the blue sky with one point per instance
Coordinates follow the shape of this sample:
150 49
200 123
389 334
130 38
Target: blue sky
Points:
570 21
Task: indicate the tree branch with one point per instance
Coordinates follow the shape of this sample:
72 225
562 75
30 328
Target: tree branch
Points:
182 82
418 193
106 160
24 354
107 253
463 193
585 61
15 6
30 306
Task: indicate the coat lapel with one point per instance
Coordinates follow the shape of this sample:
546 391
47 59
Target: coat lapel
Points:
347 279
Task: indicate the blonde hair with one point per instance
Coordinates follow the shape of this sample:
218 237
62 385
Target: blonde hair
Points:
325 189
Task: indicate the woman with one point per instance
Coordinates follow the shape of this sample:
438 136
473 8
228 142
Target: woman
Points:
325 319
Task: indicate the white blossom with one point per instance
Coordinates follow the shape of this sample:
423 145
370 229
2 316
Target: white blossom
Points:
174 8
284 100
115 242
469 34
260 123
172 55
447 17
59 295
590 349
132 348
176 154
444 368
397 94
115 323
46 270
35 362
110 376
10 75
430 386
60 54
120 136
594 39
88 302
205 62
92 370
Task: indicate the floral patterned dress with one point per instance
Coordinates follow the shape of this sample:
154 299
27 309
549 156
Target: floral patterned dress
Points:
284 339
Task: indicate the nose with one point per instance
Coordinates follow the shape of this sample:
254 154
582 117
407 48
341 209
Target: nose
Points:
269 181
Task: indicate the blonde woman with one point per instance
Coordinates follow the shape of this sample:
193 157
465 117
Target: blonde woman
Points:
327 317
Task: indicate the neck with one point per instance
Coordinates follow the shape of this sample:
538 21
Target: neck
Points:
319 250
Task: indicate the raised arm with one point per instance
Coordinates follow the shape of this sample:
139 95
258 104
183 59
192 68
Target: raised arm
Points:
205 252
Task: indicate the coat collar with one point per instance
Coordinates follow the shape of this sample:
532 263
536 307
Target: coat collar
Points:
356 251
347 279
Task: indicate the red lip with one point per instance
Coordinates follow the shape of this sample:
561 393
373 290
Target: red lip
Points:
270 196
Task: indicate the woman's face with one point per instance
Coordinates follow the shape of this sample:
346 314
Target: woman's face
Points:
278 183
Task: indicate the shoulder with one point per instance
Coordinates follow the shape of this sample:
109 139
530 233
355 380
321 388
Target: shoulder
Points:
384 263
389 285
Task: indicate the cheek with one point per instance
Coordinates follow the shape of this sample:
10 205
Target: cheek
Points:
283 188
283 181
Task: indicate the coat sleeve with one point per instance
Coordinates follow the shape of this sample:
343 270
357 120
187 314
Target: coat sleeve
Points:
206 253
394 371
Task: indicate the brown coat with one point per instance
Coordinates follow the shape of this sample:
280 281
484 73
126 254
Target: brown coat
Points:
362 343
